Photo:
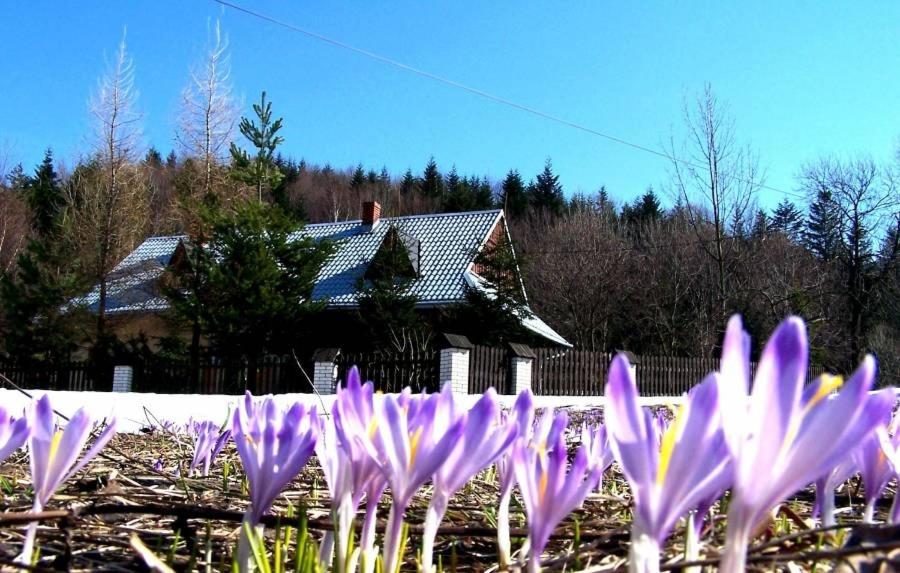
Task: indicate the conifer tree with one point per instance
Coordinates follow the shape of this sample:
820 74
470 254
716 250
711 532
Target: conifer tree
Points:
409 184
259 171
514 197
432 183
823 229
483 194
359 178
760 224
45 197
788 220
546 191
257 281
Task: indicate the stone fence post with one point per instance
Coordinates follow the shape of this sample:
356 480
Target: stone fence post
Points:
454 369
122 377
521 358
325 370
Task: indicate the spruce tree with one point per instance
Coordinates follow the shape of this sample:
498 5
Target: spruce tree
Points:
605 205
645 208
33 299
483 194
514 197
45 197
761 225
546 191
409 184
823 235
432 182
359 178
257 277
787 220
259 171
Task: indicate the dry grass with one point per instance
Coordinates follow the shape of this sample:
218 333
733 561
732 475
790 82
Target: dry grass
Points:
193 523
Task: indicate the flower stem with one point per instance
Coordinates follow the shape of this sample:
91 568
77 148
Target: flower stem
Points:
433 517
828 509
503 542
343 524
245 558
737 538
392 535
367 536
31 533
643 553
869 513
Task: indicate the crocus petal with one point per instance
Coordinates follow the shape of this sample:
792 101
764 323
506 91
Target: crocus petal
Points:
777 388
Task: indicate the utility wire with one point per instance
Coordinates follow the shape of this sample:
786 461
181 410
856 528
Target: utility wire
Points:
481 93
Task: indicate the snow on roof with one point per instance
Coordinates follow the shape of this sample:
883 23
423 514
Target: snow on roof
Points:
528 319
447 242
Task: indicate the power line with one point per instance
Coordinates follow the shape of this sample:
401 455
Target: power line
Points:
479 92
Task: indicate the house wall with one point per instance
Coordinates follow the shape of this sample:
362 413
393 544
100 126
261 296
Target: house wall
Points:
132 325
497 235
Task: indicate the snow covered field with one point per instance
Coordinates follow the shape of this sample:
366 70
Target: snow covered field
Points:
135 410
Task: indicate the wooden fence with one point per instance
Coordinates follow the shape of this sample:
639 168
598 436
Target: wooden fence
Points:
554 373
488 368
272 375
64 376
393 371
583 373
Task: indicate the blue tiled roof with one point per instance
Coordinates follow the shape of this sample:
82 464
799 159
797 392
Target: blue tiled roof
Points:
446 244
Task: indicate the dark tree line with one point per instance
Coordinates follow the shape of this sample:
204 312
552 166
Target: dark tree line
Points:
645 276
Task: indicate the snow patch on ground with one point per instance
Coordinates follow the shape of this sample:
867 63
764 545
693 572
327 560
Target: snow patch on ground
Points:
134 411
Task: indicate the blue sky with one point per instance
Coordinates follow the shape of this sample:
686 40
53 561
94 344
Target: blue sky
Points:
801 79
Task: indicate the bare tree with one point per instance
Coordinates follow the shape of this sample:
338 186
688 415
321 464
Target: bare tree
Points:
867 199
108 198
716 180
208 112
577 274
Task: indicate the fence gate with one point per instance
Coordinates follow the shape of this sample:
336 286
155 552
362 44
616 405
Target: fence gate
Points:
392 371
489 368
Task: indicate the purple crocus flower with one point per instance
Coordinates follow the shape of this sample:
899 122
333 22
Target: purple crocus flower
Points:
54 456
596 440
549 491
357 437
825 486
483 441
522 416
273 447
875 459
208 443
781 438
13 433
671 479
415 441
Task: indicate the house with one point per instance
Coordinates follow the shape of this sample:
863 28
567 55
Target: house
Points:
440 248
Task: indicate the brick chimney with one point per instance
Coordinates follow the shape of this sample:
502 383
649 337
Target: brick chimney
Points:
371 212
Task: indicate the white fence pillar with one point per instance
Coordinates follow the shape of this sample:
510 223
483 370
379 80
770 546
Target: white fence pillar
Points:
325 371
454 368
122 377
521 360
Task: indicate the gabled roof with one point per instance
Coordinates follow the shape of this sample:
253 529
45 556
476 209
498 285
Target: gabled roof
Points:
446 244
